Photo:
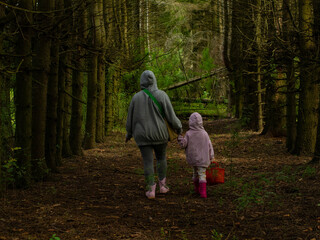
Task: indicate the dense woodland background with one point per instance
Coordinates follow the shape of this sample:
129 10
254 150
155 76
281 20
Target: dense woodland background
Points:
68 70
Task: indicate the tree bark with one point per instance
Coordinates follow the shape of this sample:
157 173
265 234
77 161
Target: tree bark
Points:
291 105
274 109
2 183
76 135
226 52
90 131
100 128
64 73
259 43
109 101
111 34
236 57
24 94
41 68
52 95
65 86
308 98
66 105
316 5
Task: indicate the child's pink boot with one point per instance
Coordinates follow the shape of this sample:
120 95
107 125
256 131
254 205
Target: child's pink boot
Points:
151 193
163 187
196 185
203 189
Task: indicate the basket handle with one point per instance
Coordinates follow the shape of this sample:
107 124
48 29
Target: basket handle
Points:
214 164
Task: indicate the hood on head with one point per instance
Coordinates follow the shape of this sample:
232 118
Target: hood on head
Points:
195 121
148 80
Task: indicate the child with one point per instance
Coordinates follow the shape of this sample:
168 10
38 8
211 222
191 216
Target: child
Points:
199 152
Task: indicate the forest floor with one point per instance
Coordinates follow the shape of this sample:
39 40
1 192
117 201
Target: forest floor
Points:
267 194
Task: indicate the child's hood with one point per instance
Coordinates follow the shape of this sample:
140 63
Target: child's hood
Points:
195 121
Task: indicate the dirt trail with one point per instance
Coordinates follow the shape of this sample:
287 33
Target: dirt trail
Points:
268 194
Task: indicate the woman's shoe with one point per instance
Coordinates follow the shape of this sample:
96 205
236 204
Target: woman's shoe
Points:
151 193
163 187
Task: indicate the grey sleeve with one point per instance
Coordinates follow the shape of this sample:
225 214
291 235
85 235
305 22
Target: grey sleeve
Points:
170 115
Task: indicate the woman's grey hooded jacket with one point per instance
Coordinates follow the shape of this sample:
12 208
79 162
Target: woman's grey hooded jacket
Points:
144 122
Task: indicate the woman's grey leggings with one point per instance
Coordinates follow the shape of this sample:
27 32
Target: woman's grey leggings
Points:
147 156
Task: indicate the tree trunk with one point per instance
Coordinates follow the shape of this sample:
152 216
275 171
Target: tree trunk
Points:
2 184
24 94
109 101
275 84
90 132
41 68
236 57
6 115
259 63
63 74
125 29
111 34
226 53
316 155
66 105
52 96
291 105
65 86
76 135
308 98
275 104
100 128
316 4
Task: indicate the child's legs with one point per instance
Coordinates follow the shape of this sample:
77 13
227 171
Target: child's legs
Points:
200 173
147 157
160 152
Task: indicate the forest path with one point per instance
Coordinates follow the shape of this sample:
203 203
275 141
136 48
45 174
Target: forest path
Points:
268 194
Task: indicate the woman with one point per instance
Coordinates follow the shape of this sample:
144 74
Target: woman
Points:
147 126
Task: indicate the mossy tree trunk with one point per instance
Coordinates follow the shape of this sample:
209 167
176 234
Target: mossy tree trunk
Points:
113 32
308 98
274 110
76 133
109 102
41 68
316 4
2 14
100 128
226 53
6 127
259 43
65 83
90 130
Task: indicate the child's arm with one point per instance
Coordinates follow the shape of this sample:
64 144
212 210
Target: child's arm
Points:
211 151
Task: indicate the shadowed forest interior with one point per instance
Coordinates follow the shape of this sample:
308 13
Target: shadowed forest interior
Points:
68 71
